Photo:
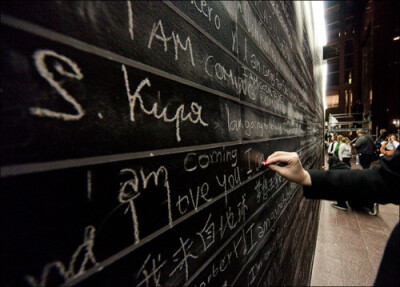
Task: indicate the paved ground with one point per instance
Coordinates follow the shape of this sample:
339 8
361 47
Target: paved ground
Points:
350 244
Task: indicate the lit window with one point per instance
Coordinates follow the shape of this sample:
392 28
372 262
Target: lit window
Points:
332 101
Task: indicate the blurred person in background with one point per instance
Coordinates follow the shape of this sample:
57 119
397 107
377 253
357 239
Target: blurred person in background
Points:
365 148
383 133
335 163
332 145
389 146
339 142
345 151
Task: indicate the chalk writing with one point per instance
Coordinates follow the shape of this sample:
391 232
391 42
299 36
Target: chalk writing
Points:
206 10
241 245
230 222
85 250
89 184
129 191
125 196
245 58
263 125
255 159
229 181
176 39
39 60
218 268
194 116
194 160
264 41
130 19
249 238
265 187
228 75
252 243
184 202
254 270
235 44
207 234
186 255
152 277
242 207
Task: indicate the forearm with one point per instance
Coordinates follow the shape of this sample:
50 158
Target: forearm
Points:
340 155
351 185
382 149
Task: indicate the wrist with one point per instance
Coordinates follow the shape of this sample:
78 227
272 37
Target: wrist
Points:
306 179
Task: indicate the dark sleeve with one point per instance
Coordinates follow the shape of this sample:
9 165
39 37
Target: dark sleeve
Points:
388 273
381 185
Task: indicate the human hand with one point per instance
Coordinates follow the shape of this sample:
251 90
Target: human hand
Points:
324 167
293 171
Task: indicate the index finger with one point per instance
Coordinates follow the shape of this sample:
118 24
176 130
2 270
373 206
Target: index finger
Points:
279 158
278 153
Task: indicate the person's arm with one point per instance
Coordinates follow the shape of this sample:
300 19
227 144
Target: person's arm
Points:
378 184
382 149
359 142
341 151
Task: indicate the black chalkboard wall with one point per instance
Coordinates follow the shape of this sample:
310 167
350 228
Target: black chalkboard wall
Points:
132 137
